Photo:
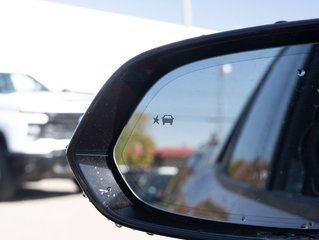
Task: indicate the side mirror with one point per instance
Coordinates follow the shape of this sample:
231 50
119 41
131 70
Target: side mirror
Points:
210 137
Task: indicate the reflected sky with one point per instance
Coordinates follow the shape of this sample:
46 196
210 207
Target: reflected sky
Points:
204 97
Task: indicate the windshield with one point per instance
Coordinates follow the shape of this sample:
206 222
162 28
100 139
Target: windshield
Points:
19 83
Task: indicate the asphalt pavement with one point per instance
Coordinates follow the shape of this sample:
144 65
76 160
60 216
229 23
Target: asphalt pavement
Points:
53 209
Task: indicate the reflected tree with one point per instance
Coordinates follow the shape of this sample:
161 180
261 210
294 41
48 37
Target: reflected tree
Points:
135 146
251 172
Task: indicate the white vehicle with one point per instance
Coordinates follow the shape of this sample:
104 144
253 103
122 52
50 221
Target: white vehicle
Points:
35 127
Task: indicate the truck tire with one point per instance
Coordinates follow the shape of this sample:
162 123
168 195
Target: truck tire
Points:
8 185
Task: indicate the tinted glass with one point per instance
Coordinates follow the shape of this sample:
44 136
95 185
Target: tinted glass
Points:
252 157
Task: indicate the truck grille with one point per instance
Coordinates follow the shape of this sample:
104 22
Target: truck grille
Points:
60 126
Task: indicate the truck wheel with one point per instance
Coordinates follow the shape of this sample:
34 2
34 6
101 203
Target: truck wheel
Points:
8 186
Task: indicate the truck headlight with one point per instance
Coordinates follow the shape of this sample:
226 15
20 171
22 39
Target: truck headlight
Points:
34 131
36 118
35 122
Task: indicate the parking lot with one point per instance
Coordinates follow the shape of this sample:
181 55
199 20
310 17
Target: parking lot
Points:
52 209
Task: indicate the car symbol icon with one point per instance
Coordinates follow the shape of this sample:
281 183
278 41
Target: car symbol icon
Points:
167 119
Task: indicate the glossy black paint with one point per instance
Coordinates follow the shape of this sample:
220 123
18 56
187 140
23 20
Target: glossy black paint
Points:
93 143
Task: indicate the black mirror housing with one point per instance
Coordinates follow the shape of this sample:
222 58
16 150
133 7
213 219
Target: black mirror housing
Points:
91 150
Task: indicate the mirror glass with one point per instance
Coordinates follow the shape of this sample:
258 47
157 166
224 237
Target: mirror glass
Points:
232 138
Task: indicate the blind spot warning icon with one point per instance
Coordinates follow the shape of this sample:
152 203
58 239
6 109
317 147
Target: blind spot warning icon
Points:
167 119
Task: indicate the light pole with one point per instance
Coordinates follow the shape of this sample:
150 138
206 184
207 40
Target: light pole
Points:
187 13
225 69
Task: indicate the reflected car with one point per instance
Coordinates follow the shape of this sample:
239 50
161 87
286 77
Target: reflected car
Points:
150 183
36 125
270 158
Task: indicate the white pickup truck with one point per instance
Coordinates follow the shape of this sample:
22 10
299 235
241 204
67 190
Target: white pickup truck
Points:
35 127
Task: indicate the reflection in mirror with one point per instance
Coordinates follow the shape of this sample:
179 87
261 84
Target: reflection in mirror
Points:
231 138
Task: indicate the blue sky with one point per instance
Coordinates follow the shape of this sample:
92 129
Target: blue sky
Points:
212 14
